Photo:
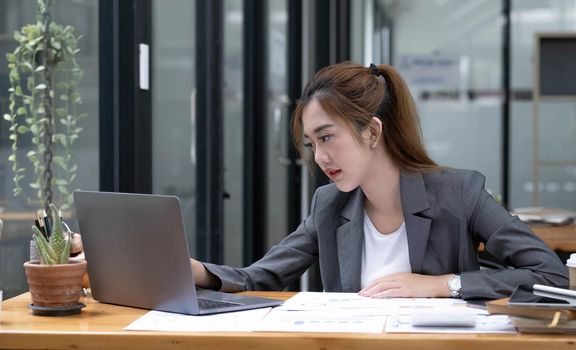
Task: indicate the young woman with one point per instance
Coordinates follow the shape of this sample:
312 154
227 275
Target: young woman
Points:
393 223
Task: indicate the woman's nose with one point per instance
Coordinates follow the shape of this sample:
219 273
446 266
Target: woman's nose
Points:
320 157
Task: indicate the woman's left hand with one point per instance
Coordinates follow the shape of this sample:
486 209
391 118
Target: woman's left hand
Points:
408 285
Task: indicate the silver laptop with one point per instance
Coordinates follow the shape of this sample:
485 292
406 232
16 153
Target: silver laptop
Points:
137 254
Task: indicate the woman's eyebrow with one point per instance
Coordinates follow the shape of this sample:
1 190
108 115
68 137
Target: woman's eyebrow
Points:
320 128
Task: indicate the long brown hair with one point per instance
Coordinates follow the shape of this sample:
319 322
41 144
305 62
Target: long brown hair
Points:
354 94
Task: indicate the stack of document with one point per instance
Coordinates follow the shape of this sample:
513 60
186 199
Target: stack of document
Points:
551 216
539 309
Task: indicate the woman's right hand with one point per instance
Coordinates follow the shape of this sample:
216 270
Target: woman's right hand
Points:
202 277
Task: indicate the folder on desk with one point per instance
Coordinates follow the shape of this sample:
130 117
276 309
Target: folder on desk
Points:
553 216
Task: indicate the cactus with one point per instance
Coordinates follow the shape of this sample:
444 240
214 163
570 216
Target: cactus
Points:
57 249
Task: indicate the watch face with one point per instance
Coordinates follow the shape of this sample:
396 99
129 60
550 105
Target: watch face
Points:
454 283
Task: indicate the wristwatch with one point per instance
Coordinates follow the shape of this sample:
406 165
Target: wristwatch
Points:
454 285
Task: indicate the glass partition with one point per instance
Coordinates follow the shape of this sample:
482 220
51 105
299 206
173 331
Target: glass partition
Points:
173 105
557 117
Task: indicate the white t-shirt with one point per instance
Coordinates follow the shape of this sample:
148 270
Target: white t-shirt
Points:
383 254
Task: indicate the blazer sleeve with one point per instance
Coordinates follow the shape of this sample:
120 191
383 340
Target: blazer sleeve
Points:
281 265
511 242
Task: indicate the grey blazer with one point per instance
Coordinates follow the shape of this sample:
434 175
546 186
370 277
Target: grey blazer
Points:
447 214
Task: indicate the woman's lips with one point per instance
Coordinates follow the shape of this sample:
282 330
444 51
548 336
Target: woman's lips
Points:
332 173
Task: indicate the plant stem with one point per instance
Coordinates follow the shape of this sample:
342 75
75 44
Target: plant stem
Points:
47 102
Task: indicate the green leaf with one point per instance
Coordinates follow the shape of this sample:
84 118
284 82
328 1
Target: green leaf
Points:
21 111
60 162
7 117
14 76
60 182
62 85
63 190
22 129
37 40
28 66
60 138
61 112
39 69
56 44
12 157
40 87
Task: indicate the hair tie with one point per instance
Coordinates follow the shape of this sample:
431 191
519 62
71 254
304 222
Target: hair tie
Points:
374 70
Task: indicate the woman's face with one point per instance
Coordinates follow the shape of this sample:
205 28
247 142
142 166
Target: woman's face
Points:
336 149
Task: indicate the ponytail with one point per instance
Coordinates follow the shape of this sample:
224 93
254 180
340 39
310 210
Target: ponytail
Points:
401 125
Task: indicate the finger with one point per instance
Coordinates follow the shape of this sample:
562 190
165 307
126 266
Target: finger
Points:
378 286
390 293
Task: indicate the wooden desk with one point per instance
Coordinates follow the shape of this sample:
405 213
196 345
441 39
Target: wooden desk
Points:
559 238
99 326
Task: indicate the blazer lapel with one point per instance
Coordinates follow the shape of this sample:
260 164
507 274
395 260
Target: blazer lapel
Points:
414 201
350 239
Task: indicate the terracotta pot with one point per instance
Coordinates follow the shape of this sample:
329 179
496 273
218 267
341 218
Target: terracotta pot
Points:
55 285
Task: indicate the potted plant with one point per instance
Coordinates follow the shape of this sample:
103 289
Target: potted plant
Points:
43 109
55 281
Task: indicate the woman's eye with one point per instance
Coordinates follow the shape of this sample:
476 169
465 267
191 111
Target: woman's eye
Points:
309 145
325 138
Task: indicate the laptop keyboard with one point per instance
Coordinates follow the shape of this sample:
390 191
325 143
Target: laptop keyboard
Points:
213 304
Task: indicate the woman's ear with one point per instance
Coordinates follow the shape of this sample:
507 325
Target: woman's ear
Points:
375 131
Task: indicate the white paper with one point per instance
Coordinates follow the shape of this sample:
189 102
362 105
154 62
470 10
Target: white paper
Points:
240 321
353 303
320 321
